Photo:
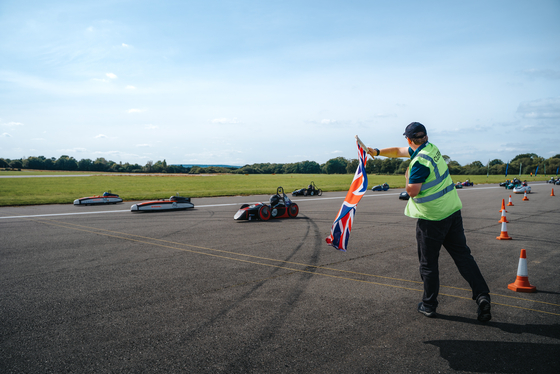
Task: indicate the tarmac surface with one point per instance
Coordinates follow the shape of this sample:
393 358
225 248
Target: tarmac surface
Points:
99 289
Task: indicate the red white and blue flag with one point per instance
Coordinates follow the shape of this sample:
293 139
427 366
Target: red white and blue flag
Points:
340 230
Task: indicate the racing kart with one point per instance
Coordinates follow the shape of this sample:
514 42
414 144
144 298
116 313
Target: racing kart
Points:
512 183
503 184
380 187
310 190
458 185
468 183
107 198
522 188
280 206
173 203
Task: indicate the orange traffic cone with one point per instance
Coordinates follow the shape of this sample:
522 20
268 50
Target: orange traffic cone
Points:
525 198
510 203
503 206
552 193
503 219
521 283
504 235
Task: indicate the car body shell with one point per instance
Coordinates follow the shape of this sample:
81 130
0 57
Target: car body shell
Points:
404 196
381 187
173 203
106 198
522 188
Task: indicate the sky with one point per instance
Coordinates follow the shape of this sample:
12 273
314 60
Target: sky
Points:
243 82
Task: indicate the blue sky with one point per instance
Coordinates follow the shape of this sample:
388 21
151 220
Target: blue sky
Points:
242 82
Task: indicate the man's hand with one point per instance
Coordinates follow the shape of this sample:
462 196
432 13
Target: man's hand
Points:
371 152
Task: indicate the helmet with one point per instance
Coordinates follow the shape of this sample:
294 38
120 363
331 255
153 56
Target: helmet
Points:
274 200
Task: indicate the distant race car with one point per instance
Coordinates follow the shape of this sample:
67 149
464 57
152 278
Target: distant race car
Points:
503 184
404 196
380 187
512 183
468 183
107 198
173 203
311 190
280 206
458 185
522 188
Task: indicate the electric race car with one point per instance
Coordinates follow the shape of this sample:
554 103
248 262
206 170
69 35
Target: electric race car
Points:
380 187
522 188
458 185
311 190
280 207
404 196
107 198
468 183
173 203
512 184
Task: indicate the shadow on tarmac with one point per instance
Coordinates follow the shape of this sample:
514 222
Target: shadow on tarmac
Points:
502 357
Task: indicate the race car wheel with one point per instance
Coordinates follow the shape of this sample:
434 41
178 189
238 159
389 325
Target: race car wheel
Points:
293 210
304 192
264 213
319 192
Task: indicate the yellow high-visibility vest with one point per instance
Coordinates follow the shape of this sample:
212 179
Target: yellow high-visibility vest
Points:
438 198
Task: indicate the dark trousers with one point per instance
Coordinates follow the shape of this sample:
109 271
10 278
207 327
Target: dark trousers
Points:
449 232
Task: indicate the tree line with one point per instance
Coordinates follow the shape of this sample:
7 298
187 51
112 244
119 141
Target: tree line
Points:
521 164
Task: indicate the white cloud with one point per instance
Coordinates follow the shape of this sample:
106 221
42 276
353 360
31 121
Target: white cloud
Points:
540 109
328 121
151 127
6 135
226 120
143 145
111 75
71 150
130 87
125 45
136 110
12 124
101 136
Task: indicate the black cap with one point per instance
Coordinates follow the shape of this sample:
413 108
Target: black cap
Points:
415 130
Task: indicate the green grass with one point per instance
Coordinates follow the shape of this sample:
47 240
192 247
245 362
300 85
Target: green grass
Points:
61 190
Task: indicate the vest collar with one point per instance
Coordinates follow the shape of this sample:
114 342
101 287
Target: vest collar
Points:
418 150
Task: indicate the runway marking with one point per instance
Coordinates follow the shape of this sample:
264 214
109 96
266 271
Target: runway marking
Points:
211 205
151 241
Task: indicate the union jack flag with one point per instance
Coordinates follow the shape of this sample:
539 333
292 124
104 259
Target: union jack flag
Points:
342 225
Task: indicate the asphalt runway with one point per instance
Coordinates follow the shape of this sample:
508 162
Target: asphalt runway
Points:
101 289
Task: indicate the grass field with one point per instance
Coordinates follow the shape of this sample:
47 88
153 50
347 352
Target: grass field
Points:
64 190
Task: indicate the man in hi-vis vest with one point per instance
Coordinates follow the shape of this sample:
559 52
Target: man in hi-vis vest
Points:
436 204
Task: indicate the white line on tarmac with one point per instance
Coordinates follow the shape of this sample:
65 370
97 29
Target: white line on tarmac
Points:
229 204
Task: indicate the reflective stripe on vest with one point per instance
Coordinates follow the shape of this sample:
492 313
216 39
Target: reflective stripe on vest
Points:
434 196
439 178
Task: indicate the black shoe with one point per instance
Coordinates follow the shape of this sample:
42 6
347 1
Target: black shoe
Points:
427 311
483 311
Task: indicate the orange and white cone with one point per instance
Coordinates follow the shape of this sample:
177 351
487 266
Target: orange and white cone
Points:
521 283
503 219
504 235
503 206
552 193
525 198
510 203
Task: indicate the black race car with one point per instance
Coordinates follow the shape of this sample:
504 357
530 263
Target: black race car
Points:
404 196
280 206
311 190
381 187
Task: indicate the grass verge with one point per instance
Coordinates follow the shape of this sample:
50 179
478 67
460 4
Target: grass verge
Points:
64 190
